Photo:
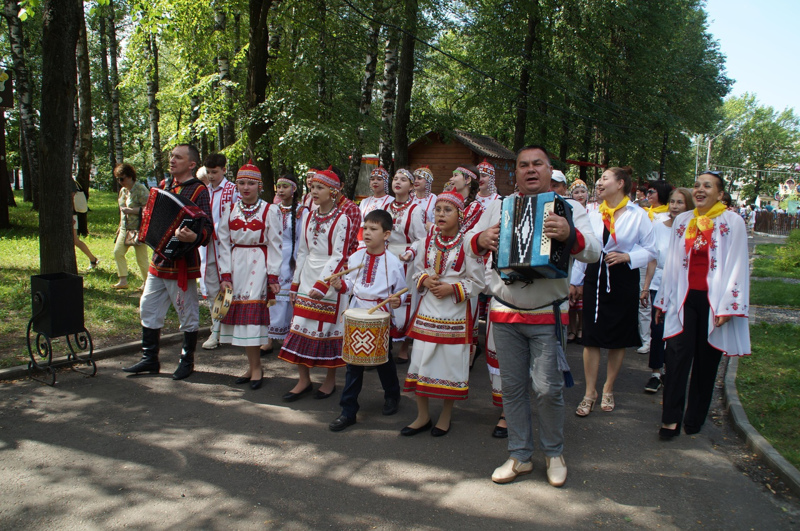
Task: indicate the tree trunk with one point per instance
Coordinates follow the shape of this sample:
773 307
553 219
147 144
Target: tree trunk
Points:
114 78
661 167
106 87
152 104
85 115
194 114
27 188
405 84
322 87
6 194
61 23
224 69
24 96
257 55
367 85
520 125
389 93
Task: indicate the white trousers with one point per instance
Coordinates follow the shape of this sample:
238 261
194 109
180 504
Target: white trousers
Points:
644 313
159 293
212 283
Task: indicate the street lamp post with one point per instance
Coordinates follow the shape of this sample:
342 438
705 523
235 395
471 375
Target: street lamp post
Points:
708 155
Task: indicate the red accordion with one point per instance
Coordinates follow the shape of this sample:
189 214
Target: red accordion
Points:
164 213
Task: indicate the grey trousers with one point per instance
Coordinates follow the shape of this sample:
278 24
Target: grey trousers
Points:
159 293
527 357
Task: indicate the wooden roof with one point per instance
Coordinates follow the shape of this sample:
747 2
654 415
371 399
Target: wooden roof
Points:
483 145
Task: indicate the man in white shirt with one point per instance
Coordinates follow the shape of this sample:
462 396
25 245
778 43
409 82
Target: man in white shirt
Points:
558 183
222 192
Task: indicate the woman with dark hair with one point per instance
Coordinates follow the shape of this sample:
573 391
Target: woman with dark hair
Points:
704 300
132 199
680 200
611 285
327 237
280 314
466 182
657 211
658 197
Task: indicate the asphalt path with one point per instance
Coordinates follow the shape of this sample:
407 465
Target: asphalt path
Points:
146 452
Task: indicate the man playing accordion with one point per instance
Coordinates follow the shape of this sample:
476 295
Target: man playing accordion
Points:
527 327
174 281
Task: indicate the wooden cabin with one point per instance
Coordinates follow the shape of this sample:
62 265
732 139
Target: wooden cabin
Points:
442 157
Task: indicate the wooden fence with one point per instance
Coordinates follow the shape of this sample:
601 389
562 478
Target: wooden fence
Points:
778 224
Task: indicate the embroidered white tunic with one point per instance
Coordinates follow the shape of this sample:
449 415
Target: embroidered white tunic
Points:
315 335
280 315
442 328
250 253
408 229
728 283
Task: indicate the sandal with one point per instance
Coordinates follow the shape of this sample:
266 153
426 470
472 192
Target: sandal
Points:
586 406
571 337
607 403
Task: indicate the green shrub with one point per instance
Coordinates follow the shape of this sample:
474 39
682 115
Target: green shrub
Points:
787 258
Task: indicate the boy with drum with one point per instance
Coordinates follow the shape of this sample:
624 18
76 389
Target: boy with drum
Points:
376 276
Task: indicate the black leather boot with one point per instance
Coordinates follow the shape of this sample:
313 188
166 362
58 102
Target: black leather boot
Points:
186 365
149 362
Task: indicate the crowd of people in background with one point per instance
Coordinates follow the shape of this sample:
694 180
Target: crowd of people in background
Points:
657 269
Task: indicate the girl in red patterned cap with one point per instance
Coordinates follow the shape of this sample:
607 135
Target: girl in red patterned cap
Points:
249 246
487 191
315 336
448 277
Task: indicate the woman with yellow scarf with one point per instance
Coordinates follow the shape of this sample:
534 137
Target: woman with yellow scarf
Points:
611 285
704 300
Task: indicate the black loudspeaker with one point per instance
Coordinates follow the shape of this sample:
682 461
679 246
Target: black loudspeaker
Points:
57 304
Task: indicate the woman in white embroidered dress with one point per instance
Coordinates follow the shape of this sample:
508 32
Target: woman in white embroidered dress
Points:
280 314
704 300
448 279
315 336
380 198
407 229
249 263
423 181
611 289
487 191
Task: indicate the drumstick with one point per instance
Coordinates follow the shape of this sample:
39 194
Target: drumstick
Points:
375 308
343 273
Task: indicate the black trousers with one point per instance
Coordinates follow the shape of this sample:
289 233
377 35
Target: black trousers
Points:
354 381
689 352
657 344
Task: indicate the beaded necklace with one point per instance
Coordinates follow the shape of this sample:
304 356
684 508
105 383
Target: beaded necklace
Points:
320 220
396 210
443 248
286 211
249 210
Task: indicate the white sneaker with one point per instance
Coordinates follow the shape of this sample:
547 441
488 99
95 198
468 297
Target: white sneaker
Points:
508 471
212 342
644 349
556 470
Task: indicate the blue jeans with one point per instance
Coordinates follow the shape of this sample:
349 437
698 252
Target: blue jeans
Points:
354 380
527 356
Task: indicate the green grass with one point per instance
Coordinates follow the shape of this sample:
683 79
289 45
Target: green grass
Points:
767 249
774 293
767 268
769 386
110 316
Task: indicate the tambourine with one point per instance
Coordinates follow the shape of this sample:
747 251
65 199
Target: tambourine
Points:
222 304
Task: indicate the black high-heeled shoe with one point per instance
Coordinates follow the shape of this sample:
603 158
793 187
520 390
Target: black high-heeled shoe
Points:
667 434
241 380
256 384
